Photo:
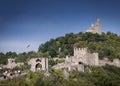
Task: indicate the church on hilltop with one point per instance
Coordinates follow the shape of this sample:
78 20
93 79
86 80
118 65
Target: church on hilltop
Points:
95 28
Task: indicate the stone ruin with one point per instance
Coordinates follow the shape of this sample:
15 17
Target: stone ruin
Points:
12 64
80 58
35 63
115 62
38 64
83 56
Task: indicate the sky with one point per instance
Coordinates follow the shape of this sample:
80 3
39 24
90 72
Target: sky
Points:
33 22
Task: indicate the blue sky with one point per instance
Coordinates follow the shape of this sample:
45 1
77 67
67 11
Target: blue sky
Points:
24 22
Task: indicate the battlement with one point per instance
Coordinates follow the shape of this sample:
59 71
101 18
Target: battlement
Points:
78 51
80 48
82 55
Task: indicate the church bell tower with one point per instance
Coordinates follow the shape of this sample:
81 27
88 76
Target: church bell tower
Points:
98 26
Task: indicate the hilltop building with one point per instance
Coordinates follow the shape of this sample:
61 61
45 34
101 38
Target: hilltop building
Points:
95 28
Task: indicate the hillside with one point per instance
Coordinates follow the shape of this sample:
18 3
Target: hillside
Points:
99 76
107 45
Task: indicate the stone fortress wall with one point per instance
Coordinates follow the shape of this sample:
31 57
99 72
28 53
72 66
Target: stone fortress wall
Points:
12 64
82 57
33 62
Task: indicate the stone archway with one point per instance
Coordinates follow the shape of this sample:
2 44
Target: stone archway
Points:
38 67
80 59
38 64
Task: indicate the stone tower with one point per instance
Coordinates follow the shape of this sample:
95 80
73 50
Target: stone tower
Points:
98 26
80 52
82 55
95 28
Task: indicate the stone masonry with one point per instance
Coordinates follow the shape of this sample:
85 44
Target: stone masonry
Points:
35 61
95 28
12 64
81 57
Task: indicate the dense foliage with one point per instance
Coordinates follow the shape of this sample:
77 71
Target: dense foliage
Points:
99 76
107 45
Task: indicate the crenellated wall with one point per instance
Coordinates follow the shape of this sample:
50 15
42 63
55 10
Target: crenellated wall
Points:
82 55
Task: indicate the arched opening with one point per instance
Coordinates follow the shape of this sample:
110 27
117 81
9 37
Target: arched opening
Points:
38 60
38 67
80 62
